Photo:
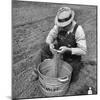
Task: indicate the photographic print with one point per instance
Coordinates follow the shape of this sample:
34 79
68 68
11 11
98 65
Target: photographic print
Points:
54 49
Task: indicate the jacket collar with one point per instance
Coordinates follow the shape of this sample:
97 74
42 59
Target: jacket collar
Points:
71 30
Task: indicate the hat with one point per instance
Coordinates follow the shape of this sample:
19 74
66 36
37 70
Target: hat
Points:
64 16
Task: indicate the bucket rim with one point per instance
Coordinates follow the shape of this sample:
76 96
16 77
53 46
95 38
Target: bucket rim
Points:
45 75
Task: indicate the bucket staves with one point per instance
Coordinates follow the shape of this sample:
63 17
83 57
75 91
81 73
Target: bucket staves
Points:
54 86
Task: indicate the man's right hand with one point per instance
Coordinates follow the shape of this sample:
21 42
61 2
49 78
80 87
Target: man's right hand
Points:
52 48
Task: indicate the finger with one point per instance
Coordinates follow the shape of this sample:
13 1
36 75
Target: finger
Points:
59 51
52 46
61 48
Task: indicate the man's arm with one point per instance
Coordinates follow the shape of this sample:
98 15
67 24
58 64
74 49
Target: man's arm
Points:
52 35
81 42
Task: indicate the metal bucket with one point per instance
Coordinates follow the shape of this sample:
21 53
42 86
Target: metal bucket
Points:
54 86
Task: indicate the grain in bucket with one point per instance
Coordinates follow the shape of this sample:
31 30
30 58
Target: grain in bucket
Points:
54 76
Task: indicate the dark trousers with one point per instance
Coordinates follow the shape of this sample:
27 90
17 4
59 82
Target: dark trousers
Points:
75 62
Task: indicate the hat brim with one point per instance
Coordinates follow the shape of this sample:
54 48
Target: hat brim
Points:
62 24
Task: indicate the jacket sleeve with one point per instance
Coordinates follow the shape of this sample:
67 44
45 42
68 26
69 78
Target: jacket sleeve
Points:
81 42
52 35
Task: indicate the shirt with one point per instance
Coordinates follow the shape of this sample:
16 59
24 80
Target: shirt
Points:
79 36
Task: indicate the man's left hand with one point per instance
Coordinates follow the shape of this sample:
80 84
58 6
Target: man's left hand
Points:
62 49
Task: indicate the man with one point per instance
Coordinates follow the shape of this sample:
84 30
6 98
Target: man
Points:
68 37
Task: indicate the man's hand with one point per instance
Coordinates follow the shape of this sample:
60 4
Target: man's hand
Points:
52 48
62 49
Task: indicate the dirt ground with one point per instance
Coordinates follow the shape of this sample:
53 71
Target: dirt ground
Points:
31 22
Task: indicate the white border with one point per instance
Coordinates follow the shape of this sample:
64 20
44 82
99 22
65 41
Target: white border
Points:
5 48
86 2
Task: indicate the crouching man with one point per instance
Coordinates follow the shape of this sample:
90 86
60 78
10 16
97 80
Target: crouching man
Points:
68 37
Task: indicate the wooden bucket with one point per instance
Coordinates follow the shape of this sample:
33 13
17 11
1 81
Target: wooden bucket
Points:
52 84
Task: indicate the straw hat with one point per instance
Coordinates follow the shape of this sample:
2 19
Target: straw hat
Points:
64 16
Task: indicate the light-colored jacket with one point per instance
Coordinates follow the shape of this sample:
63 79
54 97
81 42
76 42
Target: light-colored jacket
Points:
79 36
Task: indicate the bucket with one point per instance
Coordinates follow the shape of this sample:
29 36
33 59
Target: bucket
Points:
50 84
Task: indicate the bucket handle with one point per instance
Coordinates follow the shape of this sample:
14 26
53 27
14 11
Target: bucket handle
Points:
63 80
